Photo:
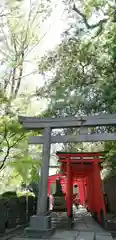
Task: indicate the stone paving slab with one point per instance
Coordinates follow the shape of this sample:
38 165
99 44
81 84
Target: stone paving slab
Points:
85 236
103 234
26 238
103 237
65 235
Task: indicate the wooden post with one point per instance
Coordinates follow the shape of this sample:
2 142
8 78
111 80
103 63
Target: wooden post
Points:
83 192
49 187
90 193
98 193
42 198
69 189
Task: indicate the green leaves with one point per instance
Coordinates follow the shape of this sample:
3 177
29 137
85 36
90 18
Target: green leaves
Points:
26 167
93 5
84 70
21 35
75 72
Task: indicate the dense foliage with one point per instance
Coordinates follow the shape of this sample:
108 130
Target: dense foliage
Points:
20 24
83 66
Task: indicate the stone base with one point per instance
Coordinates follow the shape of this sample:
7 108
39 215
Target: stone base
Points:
38 233
40 227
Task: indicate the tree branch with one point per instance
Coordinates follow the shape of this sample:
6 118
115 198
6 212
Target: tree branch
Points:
9 148
19 139
92 26
19 81
7 80
7 152
5 134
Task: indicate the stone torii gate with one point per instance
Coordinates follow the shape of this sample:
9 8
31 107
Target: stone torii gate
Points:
40 224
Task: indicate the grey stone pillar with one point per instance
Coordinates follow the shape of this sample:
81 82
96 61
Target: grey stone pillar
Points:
42 200
40 225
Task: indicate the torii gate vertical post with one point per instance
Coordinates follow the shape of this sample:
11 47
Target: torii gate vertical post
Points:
42 199
40 224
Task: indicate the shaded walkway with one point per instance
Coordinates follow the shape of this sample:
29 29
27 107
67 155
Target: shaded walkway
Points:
84 222
85 228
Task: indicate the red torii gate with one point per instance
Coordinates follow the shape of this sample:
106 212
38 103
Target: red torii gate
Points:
84 169
63 182
52 180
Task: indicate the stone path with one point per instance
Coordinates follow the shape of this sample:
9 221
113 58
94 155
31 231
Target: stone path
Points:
85 228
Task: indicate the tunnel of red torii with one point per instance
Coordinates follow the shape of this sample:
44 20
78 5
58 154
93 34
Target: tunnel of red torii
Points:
83 170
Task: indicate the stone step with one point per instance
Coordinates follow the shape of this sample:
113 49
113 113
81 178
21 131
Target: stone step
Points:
85 236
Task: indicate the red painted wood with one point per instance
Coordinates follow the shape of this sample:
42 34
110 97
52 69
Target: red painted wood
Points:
86 176
90 154
69 195
91 172
99 198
